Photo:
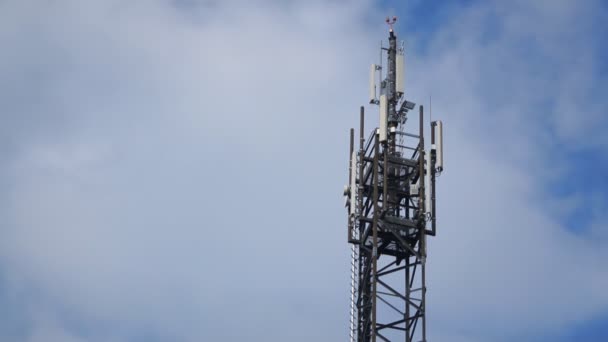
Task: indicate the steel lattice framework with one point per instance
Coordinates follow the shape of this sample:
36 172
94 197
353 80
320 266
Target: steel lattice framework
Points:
388 217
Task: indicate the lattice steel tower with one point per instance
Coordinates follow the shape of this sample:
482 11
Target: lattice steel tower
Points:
390 200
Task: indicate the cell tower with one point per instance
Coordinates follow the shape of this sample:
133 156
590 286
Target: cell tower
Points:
389 208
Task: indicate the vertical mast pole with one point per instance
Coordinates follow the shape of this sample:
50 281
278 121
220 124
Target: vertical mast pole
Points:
422 226
375 237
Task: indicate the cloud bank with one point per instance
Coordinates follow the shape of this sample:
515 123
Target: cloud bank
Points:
171 170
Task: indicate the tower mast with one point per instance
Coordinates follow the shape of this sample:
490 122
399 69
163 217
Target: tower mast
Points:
388 212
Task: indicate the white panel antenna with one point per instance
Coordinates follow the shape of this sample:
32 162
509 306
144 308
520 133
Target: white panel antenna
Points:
372 84
400 62
439 145
383 118
414 188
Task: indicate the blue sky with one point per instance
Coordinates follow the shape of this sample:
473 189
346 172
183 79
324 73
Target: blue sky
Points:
172 170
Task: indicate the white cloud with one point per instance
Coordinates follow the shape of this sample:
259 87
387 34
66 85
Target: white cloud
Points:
503 256
139 175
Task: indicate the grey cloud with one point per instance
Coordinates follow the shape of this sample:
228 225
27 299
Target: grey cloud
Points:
137 198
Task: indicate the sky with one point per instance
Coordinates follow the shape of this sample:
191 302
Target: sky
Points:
173 170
